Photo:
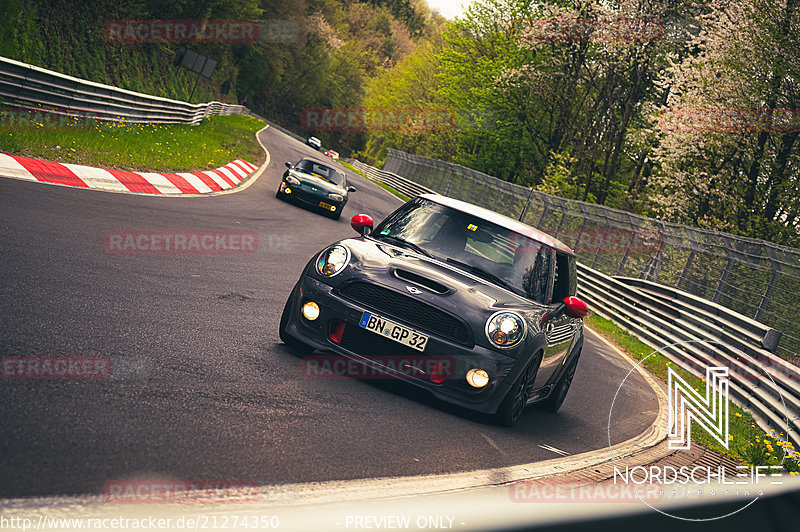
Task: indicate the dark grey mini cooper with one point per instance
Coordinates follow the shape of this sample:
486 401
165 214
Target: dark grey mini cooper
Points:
473 306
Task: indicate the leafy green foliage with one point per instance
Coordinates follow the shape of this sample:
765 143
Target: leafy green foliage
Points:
580 115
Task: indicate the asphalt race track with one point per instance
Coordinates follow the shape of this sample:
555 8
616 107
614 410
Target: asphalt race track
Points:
201 386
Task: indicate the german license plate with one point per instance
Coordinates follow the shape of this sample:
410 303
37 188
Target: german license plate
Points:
325 205
393 331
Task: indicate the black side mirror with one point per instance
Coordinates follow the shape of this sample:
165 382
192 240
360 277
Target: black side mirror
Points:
288 165
351 188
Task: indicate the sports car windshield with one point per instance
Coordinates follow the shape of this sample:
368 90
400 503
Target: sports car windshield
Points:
320 170
486 250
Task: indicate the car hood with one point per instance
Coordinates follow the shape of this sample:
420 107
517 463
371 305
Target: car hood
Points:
307 179
438 283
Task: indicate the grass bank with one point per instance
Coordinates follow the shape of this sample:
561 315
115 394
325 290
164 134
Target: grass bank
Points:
216 141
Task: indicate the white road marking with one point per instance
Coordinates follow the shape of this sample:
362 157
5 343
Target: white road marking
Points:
492 443
554 450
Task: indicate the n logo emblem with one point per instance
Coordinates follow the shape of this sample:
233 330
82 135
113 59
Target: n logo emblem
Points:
687 405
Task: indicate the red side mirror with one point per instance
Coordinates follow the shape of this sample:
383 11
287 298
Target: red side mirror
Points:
575 307
361 223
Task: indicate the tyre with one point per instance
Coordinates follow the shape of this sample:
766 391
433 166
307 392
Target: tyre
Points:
556 399
514 402
286 338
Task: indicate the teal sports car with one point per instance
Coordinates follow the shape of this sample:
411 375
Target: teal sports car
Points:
315 185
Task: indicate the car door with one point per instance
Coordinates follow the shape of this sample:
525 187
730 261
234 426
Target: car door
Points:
559 329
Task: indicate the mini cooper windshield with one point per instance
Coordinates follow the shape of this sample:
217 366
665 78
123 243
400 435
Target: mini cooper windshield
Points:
486 250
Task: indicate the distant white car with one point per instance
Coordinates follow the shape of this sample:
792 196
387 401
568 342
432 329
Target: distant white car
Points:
314 142
331 153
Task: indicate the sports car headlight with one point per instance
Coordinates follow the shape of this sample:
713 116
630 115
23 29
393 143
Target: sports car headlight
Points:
336 197
505 329
333 260
292 180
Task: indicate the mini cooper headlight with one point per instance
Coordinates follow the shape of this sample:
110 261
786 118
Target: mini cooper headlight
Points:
336 197
505 329
292 180
333 260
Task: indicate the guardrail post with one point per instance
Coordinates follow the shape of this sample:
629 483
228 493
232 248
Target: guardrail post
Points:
527 203
450 182
727 273
690 259
627 246
776 273
602 245
655 263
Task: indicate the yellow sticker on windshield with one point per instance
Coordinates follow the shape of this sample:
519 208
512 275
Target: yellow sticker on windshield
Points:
472 227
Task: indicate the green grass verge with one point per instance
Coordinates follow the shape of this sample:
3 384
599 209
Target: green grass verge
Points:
214 142
382 185
748 443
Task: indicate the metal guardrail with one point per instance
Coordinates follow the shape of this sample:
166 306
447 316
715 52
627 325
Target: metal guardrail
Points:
34 88
692 332
400 184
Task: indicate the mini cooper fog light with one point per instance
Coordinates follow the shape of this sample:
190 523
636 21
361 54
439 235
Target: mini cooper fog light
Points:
287 190
477 378
311 310
333 208
505 329
333 260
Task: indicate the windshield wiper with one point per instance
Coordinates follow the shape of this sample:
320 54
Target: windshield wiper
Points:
480 272
405 243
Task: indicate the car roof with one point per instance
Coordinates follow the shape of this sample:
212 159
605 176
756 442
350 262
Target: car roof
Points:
501 220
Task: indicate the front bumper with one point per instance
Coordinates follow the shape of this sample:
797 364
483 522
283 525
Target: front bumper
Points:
459 358
312 201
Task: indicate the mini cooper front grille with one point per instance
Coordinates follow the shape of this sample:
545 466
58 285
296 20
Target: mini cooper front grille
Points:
412 311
